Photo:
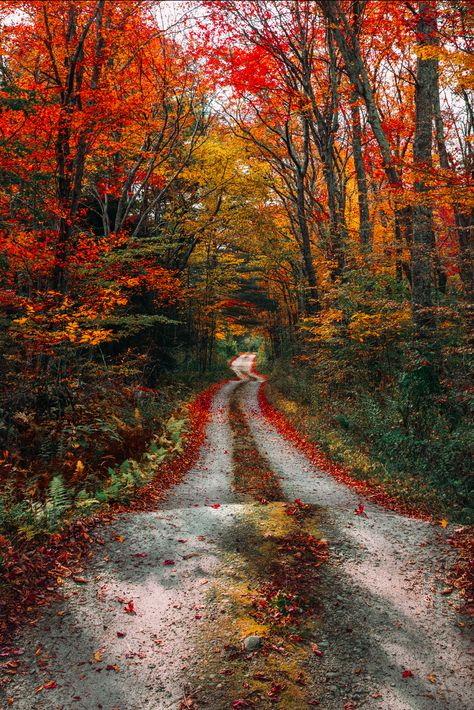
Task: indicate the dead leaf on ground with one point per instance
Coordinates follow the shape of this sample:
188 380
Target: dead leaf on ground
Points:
360 511
130 607
80 580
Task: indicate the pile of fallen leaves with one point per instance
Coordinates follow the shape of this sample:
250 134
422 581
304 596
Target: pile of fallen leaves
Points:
281 602
288 597
33 571
462 576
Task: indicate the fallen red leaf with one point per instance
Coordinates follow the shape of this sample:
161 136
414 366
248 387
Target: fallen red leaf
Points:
182 540
276 690
407 674
360 511
11 652
239 703
50 684
261 675
168 563
216 505
130 607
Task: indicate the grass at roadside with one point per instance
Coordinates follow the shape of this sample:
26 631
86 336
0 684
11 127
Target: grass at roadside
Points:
320 426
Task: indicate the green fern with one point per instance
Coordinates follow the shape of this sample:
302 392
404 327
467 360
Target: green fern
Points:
58 502
84 503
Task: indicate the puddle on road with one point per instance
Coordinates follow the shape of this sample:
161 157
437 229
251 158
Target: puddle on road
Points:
268 587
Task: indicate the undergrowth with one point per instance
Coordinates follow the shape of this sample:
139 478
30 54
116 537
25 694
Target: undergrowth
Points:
363 433
375 399
105 441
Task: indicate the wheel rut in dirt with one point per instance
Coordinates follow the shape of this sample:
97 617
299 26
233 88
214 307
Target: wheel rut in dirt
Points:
252 472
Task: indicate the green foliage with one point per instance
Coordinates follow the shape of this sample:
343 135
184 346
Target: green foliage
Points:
23 517
30 518
378 404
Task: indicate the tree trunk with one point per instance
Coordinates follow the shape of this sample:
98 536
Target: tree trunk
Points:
356 69
365 225
464 219
312 299
423 239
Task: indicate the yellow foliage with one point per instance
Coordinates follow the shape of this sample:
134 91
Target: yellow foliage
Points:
378 325
324 326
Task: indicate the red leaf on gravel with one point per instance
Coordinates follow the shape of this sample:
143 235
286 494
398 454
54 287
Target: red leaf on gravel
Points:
261 675
130 607
168 563
360 511
407 674
216 505
121 634
276 690
316 650
239 703
182 540
50 684
11 652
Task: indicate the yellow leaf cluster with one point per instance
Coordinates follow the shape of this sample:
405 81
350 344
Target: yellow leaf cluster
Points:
364 326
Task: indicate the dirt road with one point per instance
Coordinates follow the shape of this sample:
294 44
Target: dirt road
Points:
222 599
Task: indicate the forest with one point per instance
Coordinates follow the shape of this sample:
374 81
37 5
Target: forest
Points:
182 182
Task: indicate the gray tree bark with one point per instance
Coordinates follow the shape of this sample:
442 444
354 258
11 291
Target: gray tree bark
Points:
423 237
365 225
